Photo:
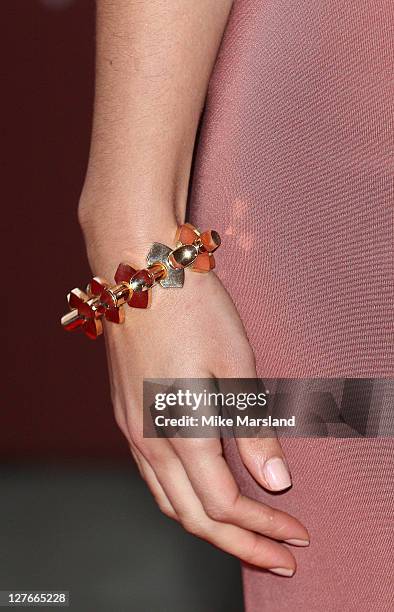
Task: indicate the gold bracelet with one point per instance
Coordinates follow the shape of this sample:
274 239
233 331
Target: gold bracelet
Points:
101 300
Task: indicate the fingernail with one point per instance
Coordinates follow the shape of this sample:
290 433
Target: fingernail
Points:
276 474
282 571
295 542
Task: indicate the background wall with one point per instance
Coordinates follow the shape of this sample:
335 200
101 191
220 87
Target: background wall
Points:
56 399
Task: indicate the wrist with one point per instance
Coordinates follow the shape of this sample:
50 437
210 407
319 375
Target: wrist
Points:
104 299
115 233
107 248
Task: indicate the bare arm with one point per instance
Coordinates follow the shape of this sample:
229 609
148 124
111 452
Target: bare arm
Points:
154 60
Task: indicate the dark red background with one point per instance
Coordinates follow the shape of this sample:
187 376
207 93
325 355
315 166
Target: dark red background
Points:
55 401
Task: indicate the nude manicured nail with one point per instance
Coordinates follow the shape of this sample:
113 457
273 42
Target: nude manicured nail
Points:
282 571
295 542
276 474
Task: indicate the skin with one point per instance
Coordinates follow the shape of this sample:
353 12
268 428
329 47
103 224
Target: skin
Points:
154 60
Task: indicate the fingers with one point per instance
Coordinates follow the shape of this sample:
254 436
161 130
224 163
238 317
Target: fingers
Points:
222 501
192 483
155 487
211 507
243 543
252 548
216 494
266 462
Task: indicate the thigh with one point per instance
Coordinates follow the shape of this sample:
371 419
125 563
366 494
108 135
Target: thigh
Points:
294 169
343 491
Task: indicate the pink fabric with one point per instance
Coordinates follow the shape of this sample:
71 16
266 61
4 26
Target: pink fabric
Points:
295 169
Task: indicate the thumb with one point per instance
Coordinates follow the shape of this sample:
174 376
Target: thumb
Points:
265 460
262 455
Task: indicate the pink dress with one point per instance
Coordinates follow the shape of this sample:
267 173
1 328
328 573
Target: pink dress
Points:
295 168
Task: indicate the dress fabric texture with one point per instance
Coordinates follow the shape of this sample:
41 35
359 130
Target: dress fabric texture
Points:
295 168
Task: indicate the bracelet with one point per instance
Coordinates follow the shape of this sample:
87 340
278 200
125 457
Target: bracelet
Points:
166 266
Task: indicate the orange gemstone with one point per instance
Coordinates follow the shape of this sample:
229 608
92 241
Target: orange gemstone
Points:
186 234
204 263
211 240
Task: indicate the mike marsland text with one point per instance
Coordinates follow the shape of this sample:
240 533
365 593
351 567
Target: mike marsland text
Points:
220 421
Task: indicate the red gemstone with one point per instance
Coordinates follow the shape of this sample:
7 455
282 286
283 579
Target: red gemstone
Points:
93 328
86 309
76 297
107 300
140 299
211 240
97 285
115 315
124 273
204 263
143 278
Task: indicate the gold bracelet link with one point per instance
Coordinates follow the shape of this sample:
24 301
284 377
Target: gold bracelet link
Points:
133 287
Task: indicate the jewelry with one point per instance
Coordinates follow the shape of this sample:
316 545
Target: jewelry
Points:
165 266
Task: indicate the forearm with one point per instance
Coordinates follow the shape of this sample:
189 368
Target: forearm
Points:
154 60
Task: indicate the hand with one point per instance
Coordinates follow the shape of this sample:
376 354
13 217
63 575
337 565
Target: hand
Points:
151 83
195 332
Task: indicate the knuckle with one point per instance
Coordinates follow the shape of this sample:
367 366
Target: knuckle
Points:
153 452
216 513
220 512
192 526
166 509
188 448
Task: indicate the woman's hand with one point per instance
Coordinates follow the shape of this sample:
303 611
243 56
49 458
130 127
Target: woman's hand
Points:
195 332
153 64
